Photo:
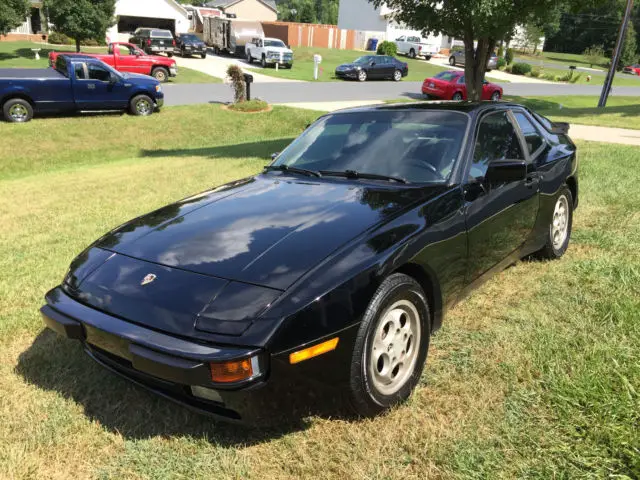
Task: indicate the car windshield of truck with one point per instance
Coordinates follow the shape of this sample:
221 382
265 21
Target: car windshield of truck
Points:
418 146
446 76
161 34
274 43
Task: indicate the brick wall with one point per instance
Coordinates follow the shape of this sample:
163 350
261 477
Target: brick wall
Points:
21 37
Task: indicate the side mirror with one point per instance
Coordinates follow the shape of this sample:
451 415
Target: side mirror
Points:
506 171
373 64
274 155
113 78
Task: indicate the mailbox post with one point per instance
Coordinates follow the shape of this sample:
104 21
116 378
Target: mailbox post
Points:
317 60
248 80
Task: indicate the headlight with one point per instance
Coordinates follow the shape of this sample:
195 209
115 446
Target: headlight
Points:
158 88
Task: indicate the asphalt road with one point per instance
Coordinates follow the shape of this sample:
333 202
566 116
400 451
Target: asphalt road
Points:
190 94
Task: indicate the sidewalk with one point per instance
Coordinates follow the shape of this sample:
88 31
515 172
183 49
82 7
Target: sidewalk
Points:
621 136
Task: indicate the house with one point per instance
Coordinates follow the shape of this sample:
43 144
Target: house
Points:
133 14
261 10
34 27
377 22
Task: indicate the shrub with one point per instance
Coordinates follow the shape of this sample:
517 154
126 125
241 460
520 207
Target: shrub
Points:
549 76
520 68
508 68
501 51
60 39
594 55
508 56
501 63
575 78
387 48
236 78
536 72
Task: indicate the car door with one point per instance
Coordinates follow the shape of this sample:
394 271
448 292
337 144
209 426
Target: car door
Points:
128 61
96 90
402 44
501 216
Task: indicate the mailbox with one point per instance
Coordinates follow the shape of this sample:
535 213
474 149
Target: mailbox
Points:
248 80
317 60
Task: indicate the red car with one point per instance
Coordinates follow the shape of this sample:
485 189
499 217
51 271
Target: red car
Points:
632 69
126 57
449 85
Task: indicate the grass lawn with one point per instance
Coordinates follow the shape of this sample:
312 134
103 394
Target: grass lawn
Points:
536 375
19 55
620 79
566 58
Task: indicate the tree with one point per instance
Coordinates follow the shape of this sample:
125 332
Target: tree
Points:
81 19
629 54
482 21
12 14
593 55
532 35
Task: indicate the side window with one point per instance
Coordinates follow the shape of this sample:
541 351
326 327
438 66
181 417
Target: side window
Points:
96 72
79 69
531 134
401 39
497 140
461 80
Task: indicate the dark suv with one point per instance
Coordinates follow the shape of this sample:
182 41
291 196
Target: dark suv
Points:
188 44
154 40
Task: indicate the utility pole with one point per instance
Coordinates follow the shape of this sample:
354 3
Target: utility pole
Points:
606 89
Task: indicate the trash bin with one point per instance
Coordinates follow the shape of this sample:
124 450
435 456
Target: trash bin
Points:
372 45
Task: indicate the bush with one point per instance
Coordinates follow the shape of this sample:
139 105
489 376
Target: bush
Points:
549 76
520 68
501 63
236 78
536 72
575 78
388 48
60 39
501 51
508 68
508 56
594 55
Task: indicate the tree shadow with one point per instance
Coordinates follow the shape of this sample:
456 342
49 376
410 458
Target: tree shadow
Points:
57 364
241 150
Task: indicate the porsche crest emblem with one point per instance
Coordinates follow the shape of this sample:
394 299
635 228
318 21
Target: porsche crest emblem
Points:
149 278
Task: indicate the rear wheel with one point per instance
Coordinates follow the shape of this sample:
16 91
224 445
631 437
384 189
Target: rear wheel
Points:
362 76
391 346
169 54
457 96
452 61
412 53
17 110
249 58
397 76
161 74
495 96
203 55
141 106
560 225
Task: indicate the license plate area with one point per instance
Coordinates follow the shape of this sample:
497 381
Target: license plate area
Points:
110 343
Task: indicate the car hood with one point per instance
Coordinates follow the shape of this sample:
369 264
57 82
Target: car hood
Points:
139 78
278 50
266 230
348 66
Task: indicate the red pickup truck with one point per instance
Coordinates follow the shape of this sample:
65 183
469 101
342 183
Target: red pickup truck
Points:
126 57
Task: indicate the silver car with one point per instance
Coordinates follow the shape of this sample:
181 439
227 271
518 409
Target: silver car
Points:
457 58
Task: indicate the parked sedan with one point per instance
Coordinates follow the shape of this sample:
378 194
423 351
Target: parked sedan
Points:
450 85
330 270
457 58
632 69
188 44
371 67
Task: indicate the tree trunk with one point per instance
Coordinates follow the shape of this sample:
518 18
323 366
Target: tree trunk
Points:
475 65
77 45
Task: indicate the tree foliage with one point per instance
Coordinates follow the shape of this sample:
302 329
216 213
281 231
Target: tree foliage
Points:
309 11
12 14
81 19
629 54
483 21
594 55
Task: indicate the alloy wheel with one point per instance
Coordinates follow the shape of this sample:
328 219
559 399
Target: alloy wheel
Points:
144 107
18 113
560 224
397 75
362 75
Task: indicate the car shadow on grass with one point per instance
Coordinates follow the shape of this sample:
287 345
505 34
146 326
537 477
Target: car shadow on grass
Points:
241 150
57 364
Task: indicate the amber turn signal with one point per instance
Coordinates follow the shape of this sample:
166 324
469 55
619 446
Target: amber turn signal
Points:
233 371
307 353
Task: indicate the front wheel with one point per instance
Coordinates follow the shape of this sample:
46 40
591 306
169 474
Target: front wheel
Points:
495 96
160 74
559 232
141 106
169 54
263 62
452 61
391 346
397 76
362 76
249 58
17 110
457 97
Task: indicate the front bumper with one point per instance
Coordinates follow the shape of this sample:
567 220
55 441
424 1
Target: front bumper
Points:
178 369
274 60
351 74
159 102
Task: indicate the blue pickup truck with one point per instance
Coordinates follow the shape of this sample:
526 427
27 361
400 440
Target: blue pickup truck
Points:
76 84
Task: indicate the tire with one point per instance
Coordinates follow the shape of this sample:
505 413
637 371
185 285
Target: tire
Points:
412 53
169 54
495 96
17 110
141 106
249 58
373 385
561 222
203 55
362 76
263 62
452 61
457 97
161 74
397 76
427 57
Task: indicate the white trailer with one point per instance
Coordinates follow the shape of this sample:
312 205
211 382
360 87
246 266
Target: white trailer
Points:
230 35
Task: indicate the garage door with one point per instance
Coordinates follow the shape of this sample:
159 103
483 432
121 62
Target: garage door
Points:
130 24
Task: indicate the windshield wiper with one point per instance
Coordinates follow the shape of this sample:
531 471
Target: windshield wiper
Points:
356 175
286 168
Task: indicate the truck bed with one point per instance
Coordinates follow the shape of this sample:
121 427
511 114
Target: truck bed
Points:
34 73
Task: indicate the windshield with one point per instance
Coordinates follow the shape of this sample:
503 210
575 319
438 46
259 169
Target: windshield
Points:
362 60
161 34
447 76
418 146
274 43
190 38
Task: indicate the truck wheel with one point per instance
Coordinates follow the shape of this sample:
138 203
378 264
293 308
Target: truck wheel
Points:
141 106
161 74
263 62
169 54
412 53
452 61
17 110
203 55
427 57
249 58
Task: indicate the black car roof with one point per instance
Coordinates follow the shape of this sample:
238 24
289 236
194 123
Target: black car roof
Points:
466 107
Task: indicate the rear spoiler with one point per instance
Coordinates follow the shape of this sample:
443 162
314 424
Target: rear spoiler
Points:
560 128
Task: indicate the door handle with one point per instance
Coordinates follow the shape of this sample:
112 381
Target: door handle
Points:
91 86
531 181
